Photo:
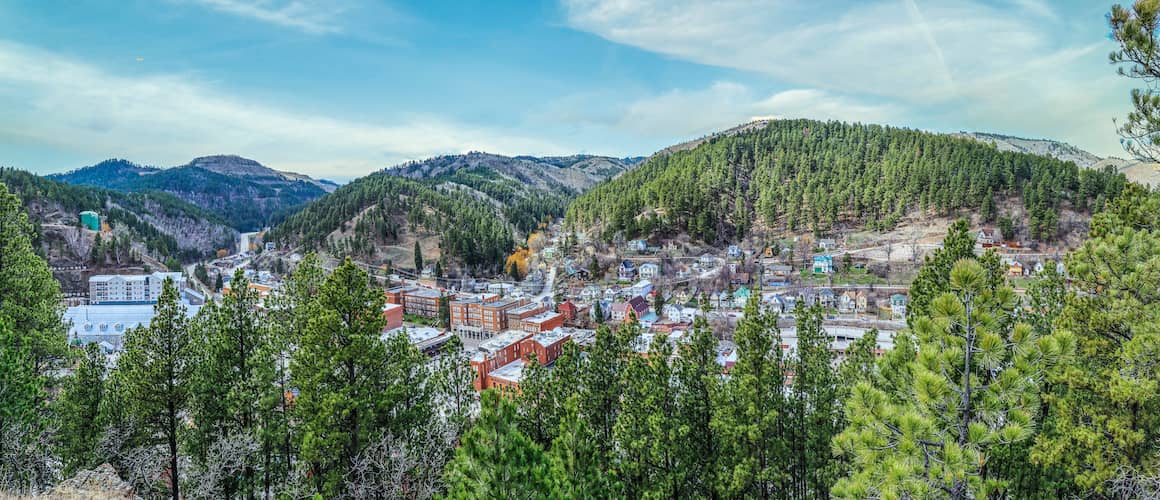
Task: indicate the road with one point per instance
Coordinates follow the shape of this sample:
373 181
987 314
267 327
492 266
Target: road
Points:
549 285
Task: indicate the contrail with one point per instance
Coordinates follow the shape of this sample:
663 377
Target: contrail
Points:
919 20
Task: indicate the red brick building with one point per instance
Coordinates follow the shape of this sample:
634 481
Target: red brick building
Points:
502 349
541 322
393 313
423 302
547 346
569 310
481 317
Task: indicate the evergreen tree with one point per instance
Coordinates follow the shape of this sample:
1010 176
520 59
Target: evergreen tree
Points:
514 272
77 411
418 257
218 284
338 368
495 459
156 368
974 388
814 408
1106 411
594 268
698 382
444 311
32 346
658 300
598 312
232 349
646 427
751 412
600 384
574 460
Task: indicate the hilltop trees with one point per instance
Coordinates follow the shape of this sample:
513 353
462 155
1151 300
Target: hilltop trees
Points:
974 388
156 368
32 346
808 175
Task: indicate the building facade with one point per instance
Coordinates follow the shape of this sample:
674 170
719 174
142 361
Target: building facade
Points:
130 289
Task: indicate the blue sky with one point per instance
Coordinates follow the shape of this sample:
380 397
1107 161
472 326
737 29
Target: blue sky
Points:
340 88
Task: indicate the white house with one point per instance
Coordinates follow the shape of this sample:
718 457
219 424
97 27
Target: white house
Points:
642 288
733 251
708 259
590 293
649 270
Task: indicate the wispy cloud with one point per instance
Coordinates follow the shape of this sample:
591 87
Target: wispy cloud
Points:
957 64
310 16
168 119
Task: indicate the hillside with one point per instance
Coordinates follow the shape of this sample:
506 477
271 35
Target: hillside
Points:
804 175
468 208
142 226
245 193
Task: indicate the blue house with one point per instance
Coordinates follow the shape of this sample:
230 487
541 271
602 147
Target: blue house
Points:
823 264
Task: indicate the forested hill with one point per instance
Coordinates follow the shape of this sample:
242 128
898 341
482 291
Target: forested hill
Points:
472 208
809 175
244 192
155 224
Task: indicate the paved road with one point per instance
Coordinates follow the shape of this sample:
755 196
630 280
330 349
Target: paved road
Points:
549 285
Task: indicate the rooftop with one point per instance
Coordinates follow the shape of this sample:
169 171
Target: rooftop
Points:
542 317
425 292
498 342
511 372
551 336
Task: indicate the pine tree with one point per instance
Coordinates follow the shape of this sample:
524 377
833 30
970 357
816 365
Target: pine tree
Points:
338 368
231 346
600 384
444 311
658 300
698 382
495 459
594 268
813 406
1106 412
574 461
646 428
218 284
751 412
32 346
514 272
77 411
156 368
418 257
974 388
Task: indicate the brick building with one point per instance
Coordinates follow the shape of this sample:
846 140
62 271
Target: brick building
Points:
541 322
500 350
393 313
423 302
482 316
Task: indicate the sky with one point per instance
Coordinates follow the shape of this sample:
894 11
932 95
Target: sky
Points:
341 88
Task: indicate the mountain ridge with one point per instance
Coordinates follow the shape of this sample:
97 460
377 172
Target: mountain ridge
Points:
242 191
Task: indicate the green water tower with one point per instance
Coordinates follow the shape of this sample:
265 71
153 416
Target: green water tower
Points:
90 220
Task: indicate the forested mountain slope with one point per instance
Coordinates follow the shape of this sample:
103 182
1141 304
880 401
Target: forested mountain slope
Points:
243 192
471 207
809 175
154 223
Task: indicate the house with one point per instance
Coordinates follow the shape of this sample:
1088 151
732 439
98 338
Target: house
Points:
548 252
768 253
1016 269
987 237
733 267
707 259
775 302
642 288
716 298
1039 267
741 297
568 309
739 279
635 308
778 270
672 311
734 252
827 244
681 296
590 293
649 270
823 264
808 296
638 246
898 305
852 301
626 271
826 298
611 293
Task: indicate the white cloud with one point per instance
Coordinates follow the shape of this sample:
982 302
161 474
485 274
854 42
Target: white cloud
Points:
168 119
309 16
954 64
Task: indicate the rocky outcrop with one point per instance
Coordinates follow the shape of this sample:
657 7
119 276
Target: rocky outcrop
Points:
101 483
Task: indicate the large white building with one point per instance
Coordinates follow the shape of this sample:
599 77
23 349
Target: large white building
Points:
130 289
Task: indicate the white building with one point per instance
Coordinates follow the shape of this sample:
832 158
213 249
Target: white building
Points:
649 270
130 289
108 323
